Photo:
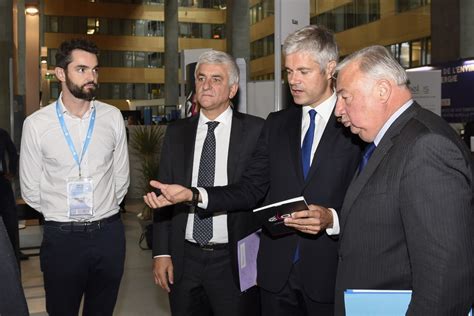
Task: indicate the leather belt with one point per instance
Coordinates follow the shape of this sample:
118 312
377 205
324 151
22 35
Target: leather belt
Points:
83 226
208 247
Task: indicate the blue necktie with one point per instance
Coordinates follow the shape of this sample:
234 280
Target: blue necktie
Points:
366 156
306 161
308 144
202 227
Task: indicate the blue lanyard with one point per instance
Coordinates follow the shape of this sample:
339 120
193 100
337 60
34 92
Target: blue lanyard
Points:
68 136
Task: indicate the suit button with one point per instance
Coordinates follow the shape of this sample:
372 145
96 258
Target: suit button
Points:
340 257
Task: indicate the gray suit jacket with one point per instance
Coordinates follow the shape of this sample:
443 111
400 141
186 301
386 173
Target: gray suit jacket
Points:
407 219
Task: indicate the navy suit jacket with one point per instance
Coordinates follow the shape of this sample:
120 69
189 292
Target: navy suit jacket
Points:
176 167
276 168
13 300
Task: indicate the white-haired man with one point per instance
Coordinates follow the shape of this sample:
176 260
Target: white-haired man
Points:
195 257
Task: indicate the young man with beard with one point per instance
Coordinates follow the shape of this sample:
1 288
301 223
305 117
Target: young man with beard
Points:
74 170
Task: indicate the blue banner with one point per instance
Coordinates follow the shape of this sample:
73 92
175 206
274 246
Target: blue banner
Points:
457 83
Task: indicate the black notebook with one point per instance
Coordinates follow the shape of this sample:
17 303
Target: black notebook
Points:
272 216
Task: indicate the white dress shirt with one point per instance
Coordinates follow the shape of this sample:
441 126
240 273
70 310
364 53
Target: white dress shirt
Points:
46 162
324 112
222 133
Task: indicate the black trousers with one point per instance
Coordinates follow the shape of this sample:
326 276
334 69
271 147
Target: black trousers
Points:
207 287
12 300
293 300
8 212
78 263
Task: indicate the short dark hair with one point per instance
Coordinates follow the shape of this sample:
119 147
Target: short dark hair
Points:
63 56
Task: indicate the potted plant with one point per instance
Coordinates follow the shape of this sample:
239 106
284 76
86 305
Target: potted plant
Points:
147 141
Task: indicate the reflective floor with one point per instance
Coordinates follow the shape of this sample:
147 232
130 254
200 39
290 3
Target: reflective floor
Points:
138 294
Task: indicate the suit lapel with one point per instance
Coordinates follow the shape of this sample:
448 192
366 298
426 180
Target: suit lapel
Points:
328 139
237 136
189 134
293 128
359 181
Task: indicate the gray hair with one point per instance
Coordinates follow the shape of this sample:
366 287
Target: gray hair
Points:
377 63
215 57
316 40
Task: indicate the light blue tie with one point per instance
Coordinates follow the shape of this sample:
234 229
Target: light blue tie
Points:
308 143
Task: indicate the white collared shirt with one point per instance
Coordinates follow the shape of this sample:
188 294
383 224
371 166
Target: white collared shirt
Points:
324 112
46 162
222 133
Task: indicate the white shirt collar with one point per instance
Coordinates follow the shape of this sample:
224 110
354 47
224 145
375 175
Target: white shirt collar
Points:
390 121
324 109
224 118
65 110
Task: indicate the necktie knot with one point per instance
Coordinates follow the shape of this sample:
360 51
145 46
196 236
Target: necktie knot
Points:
312 114
211 126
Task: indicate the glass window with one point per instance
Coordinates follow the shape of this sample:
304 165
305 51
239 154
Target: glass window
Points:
139 28
91 28
140 91
126 27
103 26
218 31
405 5
359 12
139 60
52 56
54 87
128 59
185 30
412 54
416 54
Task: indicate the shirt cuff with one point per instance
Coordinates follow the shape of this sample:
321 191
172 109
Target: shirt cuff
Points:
335 224
204 198
162 256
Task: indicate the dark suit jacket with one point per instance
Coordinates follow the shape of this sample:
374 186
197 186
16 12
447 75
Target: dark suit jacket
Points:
276 167
12 301
407 220
176 167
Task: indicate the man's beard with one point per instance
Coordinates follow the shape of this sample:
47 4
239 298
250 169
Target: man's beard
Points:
80 92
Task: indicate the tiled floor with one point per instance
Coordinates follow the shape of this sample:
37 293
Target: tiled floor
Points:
138 294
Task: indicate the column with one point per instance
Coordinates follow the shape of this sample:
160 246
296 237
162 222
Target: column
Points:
6 53
171 53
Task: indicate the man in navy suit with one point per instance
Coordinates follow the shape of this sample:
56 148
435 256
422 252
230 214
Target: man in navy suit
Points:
302 150
407 219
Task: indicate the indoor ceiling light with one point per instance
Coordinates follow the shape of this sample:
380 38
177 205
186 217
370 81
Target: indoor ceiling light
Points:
31 10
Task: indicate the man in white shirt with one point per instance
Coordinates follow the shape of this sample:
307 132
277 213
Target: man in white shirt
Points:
74 170
195 257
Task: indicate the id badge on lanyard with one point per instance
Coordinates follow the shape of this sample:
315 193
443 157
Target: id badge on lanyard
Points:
80 190
80 198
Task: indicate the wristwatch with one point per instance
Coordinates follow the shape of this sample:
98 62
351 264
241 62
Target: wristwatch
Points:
195 200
